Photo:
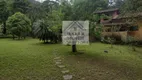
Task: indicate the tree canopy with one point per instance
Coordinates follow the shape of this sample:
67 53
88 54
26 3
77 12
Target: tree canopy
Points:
19 25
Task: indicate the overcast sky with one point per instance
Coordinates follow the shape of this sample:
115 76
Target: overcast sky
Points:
40 0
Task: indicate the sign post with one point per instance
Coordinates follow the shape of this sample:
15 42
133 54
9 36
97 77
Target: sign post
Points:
75 33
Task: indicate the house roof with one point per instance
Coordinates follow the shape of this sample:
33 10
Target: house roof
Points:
113 24
128 15
105 11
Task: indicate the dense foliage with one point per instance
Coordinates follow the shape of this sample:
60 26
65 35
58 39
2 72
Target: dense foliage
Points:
50 14
19 25
4 13
43 32
132 6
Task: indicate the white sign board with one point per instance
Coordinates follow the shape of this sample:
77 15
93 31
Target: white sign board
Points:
75 32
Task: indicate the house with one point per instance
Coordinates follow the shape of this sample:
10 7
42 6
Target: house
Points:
121 26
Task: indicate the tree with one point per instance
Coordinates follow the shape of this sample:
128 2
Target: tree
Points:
4 13
66 9
20 6
35 12
95 26
43 32
49 5
19 25
83 9
56 18
132 6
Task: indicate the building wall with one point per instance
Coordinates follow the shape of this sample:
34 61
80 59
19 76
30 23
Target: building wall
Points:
122 35
137 34
115 15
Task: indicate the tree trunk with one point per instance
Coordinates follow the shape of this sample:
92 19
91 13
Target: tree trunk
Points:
4 27
19 37
74 48
13 37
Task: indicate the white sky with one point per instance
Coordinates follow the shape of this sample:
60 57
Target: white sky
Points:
40 0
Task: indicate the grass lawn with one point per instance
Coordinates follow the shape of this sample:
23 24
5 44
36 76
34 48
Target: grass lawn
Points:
31 60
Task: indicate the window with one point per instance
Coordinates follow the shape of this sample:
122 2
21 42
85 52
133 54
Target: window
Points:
133 28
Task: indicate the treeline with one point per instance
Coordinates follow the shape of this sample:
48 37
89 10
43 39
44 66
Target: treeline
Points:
23 18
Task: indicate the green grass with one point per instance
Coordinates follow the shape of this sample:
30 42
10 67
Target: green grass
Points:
31 60
27 60
120 63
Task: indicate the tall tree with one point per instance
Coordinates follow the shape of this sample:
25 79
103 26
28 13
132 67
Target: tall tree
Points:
66 9
82 10
49 5
56 18
132 6
4 13
21 6
35 12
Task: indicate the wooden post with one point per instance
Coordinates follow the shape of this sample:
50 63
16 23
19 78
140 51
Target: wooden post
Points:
4 27
74 49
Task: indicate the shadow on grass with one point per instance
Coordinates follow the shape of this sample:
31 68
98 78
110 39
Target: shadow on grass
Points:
120 69
16 39
77 53
44 44
105 62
